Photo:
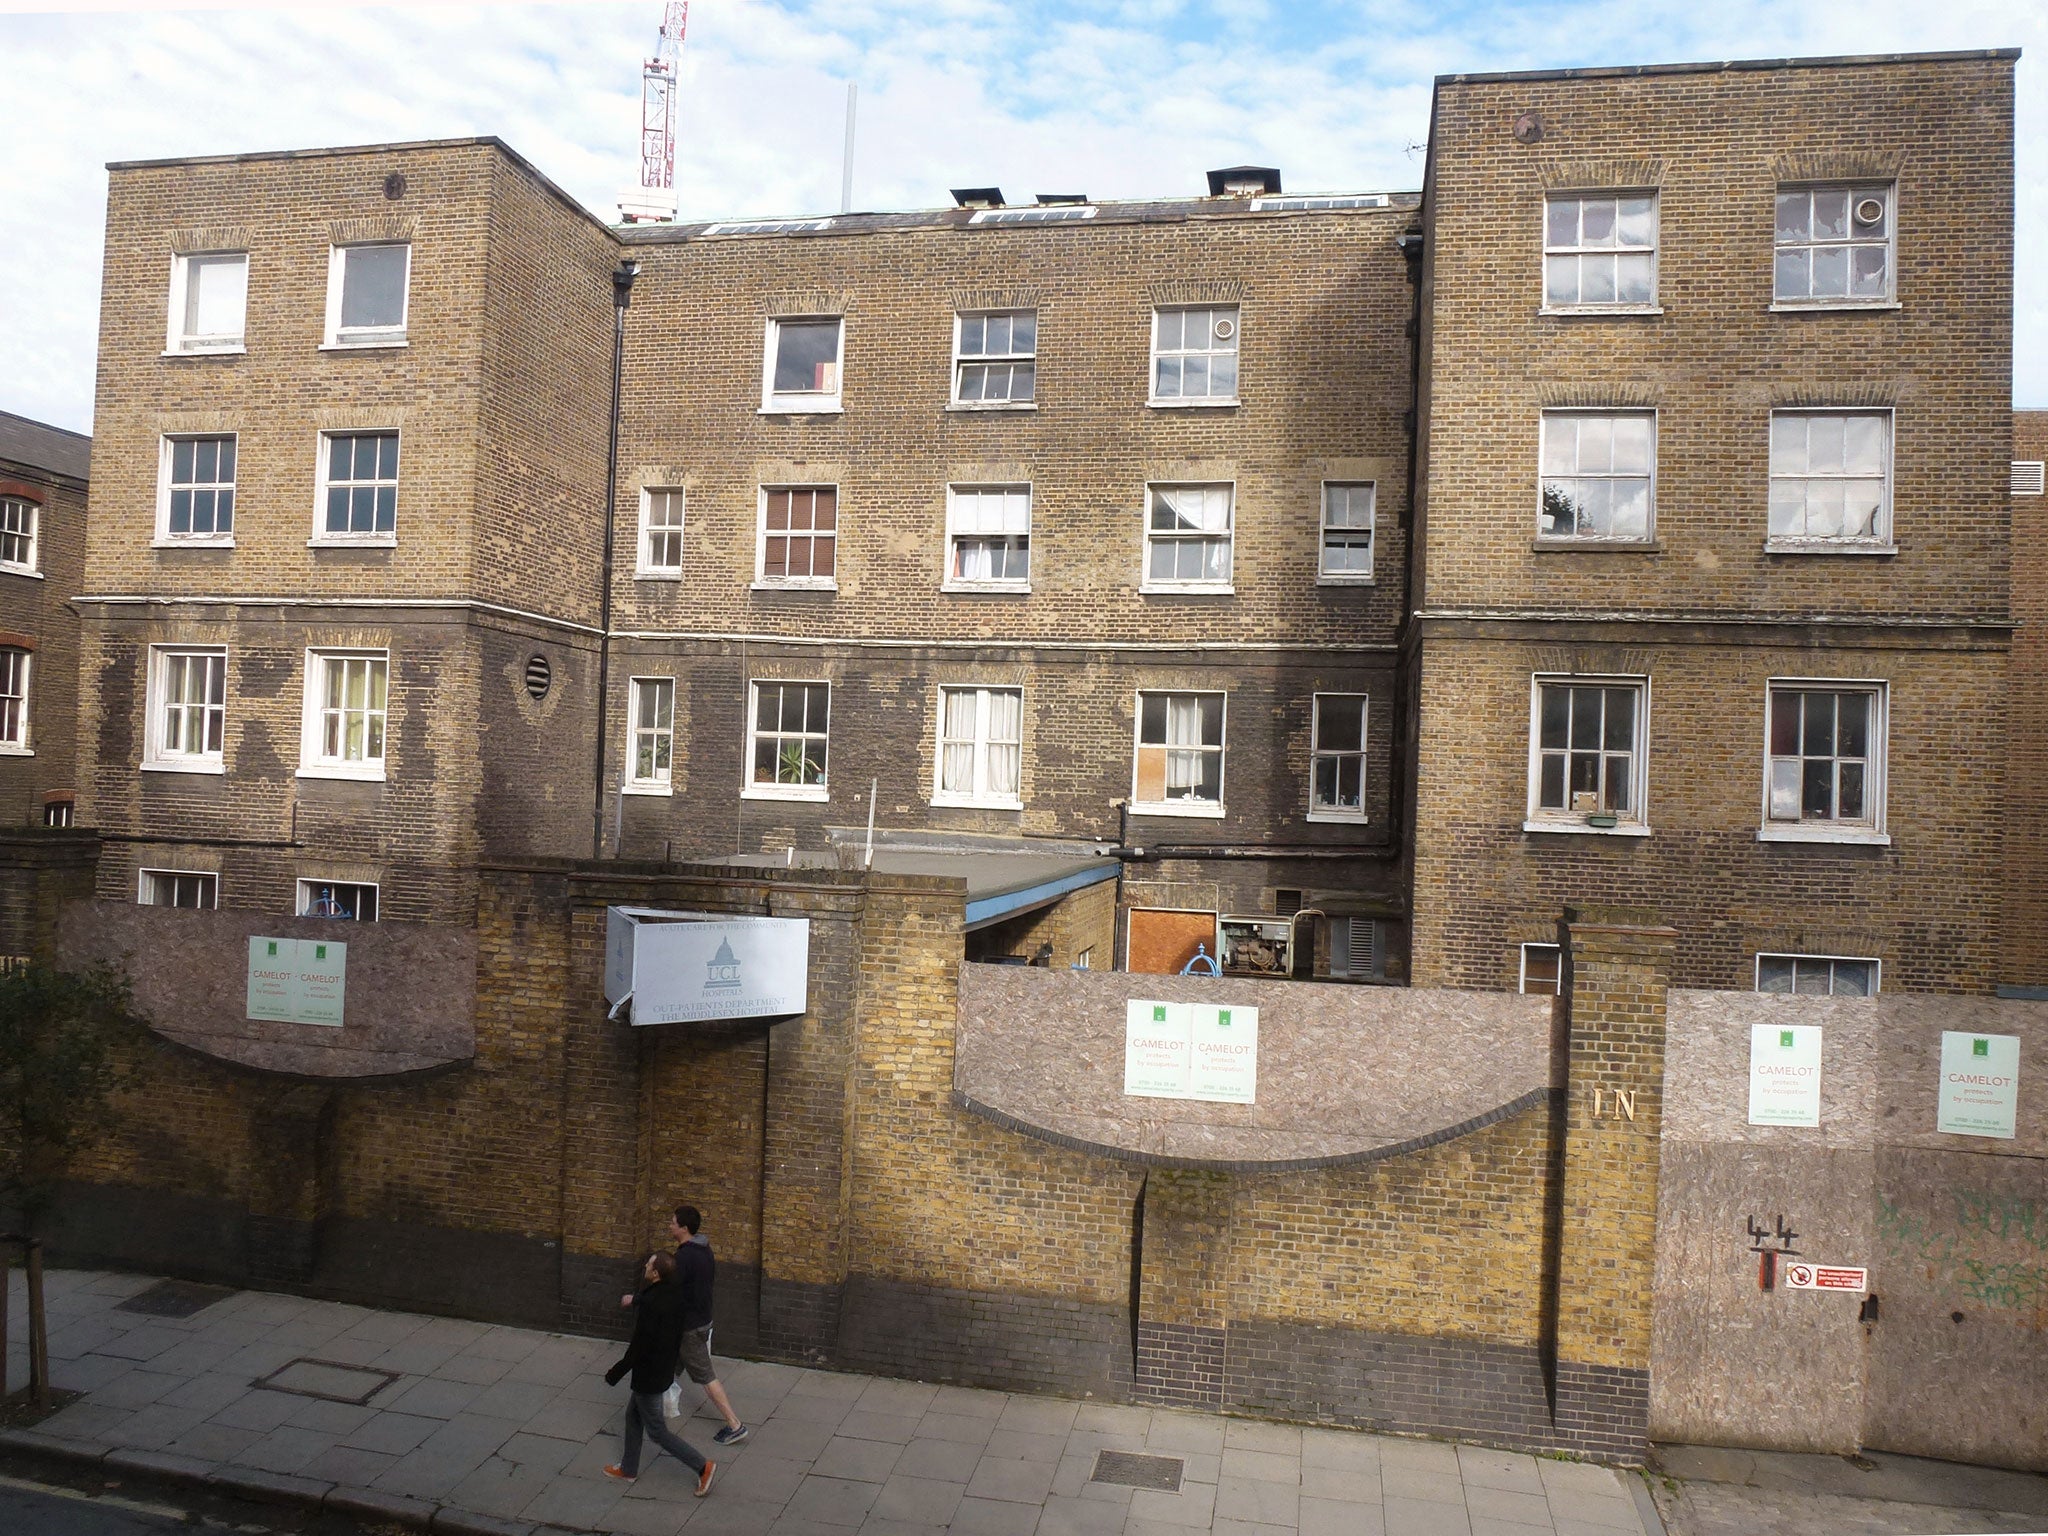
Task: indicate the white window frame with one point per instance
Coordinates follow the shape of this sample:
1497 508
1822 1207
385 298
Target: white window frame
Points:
824 402
178 342
1236 352
1868 829
323 482
763 582
979 795
29 534
17 738
1879 540
1549 421
361 336
1575 253
753 790
1316 754
1523 980
143 878
1149 583
313 761
157 757
166 447
662 780
1326 577
1856 191
1635 822
1208 809
303 896
672 498
955 534
1876 971
964 360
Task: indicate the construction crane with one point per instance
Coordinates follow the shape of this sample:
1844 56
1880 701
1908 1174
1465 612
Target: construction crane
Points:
654 201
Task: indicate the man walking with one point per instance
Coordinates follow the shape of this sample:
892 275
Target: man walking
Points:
695 1272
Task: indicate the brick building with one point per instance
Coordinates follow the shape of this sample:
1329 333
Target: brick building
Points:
1082 527
43 474
1713 580
2025 969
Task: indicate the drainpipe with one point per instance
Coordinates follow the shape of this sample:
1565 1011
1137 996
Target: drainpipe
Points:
622 295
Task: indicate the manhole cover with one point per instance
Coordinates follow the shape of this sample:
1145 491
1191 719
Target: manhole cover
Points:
329 1380
1127 1469
174 1298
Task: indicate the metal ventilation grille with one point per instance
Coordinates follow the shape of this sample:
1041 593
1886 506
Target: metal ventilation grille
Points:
2027 477
538 676
1128 1469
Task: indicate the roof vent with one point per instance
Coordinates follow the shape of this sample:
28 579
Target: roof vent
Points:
1048 198
1245 181
978 197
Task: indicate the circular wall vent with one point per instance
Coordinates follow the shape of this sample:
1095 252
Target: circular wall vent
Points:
394 186
1870 210
1528 128
1226 328
538 676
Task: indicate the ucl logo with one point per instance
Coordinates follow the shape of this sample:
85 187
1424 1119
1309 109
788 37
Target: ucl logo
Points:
723 970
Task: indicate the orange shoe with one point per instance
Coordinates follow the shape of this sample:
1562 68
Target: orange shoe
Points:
704 1478
620 1473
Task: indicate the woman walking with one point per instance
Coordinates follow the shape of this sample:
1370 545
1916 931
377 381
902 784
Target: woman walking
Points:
651 1357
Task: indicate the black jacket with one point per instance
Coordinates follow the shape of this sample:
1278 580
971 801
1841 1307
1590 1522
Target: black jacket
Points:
657 1339
695 1270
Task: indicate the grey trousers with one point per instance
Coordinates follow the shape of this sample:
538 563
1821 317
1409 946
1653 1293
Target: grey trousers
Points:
643 1410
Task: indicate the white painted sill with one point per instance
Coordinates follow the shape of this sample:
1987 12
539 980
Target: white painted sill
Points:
1790 832
1553 546
1339 818
181 541
987 588
1580 829
816 793
21 570
1206 810
658 575
161 766
643 787
365 343
236 350
1603 311
961 803
360 541
974 407
1193 405
786 407
1828 547
1831 306
359 773
14 749
831 584
1347 581
1187 589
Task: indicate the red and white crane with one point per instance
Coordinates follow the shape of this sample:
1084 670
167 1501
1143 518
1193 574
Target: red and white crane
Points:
655 201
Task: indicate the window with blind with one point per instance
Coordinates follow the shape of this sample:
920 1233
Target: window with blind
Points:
798 544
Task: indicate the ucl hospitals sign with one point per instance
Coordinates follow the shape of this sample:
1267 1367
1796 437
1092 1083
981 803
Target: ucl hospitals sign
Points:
676 967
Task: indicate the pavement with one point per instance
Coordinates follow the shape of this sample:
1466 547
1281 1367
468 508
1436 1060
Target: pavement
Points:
456 1426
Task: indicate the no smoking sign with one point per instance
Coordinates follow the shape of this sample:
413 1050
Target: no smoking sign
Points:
1823 1277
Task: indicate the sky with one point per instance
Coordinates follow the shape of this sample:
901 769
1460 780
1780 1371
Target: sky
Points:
1118 98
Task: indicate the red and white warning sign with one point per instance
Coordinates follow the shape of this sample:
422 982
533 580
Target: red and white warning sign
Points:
1823 1277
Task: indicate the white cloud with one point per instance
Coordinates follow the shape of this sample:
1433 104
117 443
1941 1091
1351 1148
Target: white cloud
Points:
1134 98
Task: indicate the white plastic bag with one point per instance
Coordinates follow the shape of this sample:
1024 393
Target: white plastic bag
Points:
672 1400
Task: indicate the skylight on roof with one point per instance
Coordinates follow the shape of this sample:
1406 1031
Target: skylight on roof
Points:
1316 204
767 226
1051 213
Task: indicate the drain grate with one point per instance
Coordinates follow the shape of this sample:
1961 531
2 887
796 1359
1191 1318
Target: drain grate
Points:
174 1298
1127 1469
329 1380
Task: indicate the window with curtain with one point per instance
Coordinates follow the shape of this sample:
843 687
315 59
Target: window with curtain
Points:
1180 753
981 746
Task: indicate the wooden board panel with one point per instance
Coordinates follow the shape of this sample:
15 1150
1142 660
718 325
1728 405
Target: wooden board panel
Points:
1162 942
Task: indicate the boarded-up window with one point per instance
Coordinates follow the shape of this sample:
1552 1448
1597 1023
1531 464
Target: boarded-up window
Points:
1163 942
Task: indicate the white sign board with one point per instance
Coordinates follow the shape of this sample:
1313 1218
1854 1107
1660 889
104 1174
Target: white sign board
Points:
1980 1084
1800 1276
681 966
297 981
1784 1074
1191 1051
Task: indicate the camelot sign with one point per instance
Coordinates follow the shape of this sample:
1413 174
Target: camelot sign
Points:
1191 1051
674 967
297 981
